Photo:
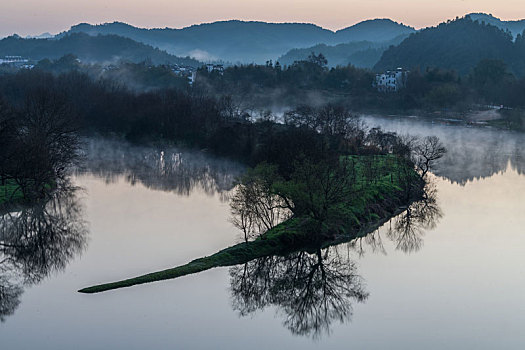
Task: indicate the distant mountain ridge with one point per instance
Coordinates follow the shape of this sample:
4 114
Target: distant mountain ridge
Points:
378 43
246 42
90 49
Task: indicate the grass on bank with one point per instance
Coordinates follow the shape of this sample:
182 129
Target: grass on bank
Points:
10 192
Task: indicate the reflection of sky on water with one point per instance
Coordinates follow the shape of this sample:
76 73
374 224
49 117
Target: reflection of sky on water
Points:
462 289
472 152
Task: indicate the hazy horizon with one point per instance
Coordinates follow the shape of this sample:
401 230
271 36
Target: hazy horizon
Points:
31 17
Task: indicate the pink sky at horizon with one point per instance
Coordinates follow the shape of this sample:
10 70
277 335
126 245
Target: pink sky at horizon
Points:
32 17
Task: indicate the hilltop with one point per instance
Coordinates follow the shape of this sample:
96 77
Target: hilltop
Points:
246 42
89 49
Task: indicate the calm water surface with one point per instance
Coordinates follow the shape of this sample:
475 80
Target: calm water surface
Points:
456 282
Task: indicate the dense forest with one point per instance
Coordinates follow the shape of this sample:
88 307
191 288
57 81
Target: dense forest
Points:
457 45
362 54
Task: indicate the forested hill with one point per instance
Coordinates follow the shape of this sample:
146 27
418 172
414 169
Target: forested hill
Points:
101 48
515 27
246 42
457 45
361 54
375 30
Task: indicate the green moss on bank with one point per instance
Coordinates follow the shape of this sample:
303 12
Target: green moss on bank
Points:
10 192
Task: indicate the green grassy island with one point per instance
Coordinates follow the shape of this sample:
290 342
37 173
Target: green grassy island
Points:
352 200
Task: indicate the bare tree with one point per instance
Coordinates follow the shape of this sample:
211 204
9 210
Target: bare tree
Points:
255 207
46 143
426 152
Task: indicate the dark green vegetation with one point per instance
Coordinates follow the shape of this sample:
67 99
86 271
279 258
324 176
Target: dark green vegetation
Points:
515 27
10 192
129 76
308 80
103 48
457 69
38 142
237 41
361 54
457 45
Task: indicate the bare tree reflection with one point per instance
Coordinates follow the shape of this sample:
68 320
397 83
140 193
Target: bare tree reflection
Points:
310 291
38 241
10 294
409 227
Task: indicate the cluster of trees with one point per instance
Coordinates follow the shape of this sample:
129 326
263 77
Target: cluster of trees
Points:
362 54
327 185
38 143
141 76
490 82
312 74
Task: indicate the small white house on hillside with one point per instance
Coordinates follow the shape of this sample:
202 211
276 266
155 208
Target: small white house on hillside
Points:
392 80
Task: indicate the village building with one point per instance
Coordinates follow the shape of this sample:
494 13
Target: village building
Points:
391 81
14 60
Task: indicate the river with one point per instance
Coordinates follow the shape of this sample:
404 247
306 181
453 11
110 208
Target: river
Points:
454 281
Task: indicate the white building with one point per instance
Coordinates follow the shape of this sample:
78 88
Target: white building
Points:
215 68
14 60
391 81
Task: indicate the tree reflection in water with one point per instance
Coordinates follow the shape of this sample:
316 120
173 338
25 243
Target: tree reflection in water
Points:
312 290
37 241
168 169
410 226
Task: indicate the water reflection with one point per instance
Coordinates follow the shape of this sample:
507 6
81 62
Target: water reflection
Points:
406 230
166 169
36 242
472 153
312 290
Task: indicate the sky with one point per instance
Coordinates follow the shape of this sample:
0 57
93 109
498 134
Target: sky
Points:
30 17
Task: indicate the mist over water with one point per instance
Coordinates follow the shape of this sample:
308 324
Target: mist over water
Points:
426 279
168 169
472 152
